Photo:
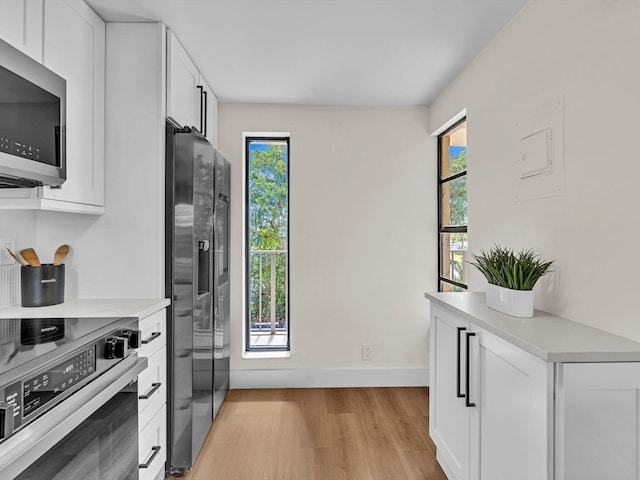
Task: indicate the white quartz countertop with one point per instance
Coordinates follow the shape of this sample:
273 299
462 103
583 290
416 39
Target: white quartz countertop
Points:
102 307
551 338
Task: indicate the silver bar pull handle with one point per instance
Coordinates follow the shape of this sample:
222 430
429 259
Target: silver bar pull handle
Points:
151 338
152 390
154 453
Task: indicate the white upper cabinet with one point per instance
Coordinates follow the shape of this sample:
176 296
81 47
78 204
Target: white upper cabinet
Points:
208 109
74 48
21 25
183 78
69 39
190 100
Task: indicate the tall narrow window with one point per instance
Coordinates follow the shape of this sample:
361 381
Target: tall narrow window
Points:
267 255
452 207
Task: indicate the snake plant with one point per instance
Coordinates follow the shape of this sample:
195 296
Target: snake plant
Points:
516 270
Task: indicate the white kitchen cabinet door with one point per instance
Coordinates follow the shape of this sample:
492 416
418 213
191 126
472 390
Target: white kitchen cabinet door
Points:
183 78
152 447
74 48
21 25
512 421
598 418
208 110
449 418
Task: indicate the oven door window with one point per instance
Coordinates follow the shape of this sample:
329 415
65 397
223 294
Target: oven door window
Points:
103 447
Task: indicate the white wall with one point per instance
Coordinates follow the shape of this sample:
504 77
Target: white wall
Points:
21 227
362 233
119 254
585 52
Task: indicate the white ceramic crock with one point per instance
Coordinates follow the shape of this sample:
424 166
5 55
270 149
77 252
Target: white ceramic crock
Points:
517 303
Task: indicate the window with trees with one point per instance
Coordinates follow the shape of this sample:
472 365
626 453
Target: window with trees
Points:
267 254
452 208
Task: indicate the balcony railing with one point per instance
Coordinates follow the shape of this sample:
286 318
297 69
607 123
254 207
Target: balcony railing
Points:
269 292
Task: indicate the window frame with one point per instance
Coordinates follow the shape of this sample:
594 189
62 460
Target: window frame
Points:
441 228
248 138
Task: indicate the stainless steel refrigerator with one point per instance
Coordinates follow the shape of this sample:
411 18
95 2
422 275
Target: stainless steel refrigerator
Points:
196 251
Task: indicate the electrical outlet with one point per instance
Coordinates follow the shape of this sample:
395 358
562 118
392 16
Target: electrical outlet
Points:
367 351
5 258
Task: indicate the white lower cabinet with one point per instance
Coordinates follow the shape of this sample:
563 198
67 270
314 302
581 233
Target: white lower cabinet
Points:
152 447
511 420
498 412
598 418
152 387
490 405
152 397
449 417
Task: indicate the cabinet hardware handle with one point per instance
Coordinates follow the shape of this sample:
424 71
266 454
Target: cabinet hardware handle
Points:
467 382
204 115
201 88
151 338
155 450
459 394
154 387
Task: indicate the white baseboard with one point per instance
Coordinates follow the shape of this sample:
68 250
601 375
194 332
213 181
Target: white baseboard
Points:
329 377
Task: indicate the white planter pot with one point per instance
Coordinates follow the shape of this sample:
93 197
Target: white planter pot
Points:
517 303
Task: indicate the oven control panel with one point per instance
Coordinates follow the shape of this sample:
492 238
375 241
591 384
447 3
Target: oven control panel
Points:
41 389
25 397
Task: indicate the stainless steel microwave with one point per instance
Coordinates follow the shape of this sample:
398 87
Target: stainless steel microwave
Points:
32 122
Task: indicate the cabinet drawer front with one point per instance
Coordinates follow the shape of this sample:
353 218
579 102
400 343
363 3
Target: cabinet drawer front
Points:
154 333
152 387
152 441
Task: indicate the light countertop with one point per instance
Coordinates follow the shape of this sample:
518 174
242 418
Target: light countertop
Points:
551 338
102 307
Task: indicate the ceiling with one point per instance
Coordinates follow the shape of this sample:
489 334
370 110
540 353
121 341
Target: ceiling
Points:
325 52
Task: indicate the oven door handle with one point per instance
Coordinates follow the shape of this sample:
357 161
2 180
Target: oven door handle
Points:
27 445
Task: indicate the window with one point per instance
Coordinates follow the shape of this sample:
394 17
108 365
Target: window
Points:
452 208
267 253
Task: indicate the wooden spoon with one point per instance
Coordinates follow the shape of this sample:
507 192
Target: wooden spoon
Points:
29 254
61 252
16 258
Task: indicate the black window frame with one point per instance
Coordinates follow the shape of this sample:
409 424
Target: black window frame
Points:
441 228
247 293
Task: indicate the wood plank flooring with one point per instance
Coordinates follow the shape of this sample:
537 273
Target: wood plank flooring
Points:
320 434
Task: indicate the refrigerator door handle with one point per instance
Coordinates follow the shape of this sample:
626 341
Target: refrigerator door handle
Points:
203 268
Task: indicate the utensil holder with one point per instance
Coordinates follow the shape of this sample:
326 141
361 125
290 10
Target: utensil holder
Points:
43 285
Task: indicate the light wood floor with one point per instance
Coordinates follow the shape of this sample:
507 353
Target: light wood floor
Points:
320 434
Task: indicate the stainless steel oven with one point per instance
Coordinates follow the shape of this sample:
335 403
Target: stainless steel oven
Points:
68 398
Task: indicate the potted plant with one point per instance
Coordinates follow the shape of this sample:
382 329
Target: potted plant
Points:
511 276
